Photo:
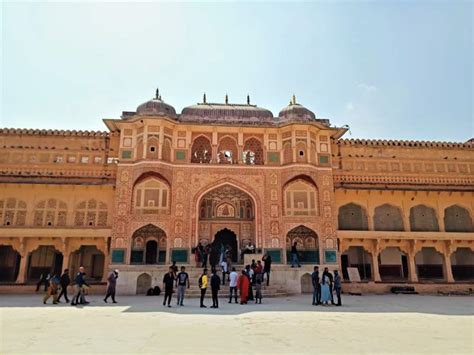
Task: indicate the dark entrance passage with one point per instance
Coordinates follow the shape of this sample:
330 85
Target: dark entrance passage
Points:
151 256
226 238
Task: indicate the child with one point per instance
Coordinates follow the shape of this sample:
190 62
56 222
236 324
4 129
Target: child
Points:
258 291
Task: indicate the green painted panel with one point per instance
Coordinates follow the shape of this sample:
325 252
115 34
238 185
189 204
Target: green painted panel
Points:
137 257
305 256
179 255
180 155
275 254
330 256
126 154
162 256
273 157
118 256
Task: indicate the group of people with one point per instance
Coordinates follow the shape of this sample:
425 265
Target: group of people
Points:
56 287
324 286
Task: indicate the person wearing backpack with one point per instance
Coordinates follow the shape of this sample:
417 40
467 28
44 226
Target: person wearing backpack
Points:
203 286
52 289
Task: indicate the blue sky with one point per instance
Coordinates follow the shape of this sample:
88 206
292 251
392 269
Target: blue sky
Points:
388 69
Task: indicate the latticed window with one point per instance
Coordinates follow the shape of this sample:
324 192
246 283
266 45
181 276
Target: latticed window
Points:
50 213
151 197
201 151
91 213
166 156
227 151
12 212
287 153
253 152
300 199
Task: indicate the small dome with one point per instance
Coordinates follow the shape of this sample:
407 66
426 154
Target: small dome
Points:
156 107
296 113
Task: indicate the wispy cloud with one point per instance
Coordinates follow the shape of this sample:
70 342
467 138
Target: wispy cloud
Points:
367 87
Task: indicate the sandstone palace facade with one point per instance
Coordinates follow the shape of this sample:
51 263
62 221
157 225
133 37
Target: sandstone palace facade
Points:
145 192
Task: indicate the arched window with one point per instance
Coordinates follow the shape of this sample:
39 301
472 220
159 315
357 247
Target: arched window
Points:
457 219
166 156
423 218
307 244
388 218
352 217
90 213
227 151
300 199
151 197
12 212
50 213
148 245
301 152
287 153
152 147
201 151
253 152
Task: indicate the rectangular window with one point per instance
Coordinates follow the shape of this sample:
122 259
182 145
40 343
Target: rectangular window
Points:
84 159
58 159
97 160
118 256
323 159
71 158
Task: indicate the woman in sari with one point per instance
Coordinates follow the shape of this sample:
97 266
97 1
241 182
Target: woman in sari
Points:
243 285
325 291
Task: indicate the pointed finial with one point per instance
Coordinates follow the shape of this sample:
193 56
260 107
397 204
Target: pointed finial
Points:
204 98
248 99
293 99
157 94
226 99
159 97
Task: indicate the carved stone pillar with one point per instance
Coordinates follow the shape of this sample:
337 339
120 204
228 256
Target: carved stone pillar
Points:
375 266
22 272
413 276
447 269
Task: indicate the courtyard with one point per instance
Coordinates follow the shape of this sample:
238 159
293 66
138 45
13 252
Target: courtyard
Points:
370 324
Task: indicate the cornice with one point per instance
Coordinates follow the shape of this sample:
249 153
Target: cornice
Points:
404 143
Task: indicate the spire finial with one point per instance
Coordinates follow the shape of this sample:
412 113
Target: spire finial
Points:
204 98
293 100
226 99
157 94
248 99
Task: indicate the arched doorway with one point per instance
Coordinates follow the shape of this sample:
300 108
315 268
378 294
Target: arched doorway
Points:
9 263
44 260
227 238
91 258
307 245
143 284
148 245
227 214
151 254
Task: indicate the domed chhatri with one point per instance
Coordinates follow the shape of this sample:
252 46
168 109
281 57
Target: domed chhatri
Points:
295 112
226 113
156 107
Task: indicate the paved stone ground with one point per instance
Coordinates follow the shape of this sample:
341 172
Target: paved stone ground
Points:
407 324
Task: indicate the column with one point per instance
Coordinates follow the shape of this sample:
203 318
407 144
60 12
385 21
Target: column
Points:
22 272
447 269
375 266
412 275
66 255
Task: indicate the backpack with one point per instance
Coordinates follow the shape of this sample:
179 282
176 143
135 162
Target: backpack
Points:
156 291
200 281
149 292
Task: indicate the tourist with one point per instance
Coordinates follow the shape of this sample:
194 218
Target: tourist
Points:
79 288
233 278
203 286
112 285
259 271
52 289
222 254
213 256
249 249
215 287
228 257
175 268
182 280
267 266
44 280
338 287
168 282
294 255
243 285
325 292
329 275
198 254
249 273
253 266
316 286
258 291
205 255
225 270
65 281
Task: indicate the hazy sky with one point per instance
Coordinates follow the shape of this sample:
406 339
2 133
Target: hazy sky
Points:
388 69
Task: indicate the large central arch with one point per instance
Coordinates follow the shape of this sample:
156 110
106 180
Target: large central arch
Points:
226 205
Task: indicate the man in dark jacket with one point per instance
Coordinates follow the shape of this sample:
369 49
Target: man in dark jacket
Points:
316 286
337 286
79 288
168 283
267 266
329 275
112 285
215 287
65 281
